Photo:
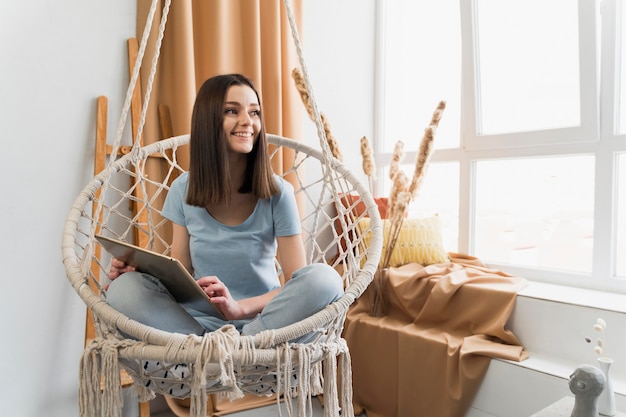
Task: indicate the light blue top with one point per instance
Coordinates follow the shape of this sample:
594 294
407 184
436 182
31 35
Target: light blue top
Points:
241 256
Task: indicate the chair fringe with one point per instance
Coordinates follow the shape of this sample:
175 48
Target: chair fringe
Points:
100 383
144 394
317 380
218 345
331 405
345 369
304 379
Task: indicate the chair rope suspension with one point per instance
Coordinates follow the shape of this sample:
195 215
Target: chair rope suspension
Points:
223 361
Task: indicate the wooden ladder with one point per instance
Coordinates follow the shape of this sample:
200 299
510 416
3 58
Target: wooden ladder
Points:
102 151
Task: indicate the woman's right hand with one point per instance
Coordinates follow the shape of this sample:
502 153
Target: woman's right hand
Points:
118 268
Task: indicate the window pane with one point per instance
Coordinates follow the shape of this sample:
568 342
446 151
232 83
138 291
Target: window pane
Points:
621 217
536 212
621 120
528 77
422 67
439 194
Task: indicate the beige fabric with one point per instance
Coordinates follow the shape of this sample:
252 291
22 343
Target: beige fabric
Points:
429 353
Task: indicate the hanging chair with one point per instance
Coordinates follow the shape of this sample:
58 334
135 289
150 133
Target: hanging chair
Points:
224 361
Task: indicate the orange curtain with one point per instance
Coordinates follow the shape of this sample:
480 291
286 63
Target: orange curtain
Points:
205 38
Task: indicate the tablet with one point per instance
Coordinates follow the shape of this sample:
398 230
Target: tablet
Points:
170 271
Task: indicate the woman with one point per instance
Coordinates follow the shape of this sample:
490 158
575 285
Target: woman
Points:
231 215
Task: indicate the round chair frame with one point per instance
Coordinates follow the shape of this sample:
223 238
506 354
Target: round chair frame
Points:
223 361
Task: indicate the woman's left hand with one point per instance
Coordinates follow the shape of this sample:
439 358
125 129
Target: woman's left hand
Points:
221 298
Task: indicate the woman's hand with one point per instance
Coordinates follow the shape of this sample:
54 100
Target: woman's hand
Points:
221 298
118 268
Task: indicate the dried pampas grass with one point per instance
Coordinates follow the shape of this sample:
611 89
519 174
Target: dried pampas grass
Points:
396 219
403 191
396 159
426 148
369 164
434 121
306 100
400 183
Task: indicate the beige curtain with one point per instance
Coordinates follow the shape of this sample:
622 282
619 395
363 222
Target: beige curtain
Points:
208 37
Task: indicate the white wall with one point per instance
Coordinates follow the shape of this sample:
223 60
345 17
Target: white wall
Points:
339 52
55 59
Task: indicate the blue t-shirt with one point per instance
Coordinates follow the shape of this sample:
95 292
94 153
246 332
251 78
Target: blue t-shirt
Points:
241 256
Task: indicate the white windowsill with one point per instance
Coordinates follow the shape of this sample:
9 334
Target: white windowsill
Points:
576 296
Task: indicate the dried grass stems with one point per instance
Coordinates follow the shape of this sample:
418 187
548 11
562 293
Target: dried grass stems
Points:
403 192
349 216
306 100
400 184
396 159
426 149
369 163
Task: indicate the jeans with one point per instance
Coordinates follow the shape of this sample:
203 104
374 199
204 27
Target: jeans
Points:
143 298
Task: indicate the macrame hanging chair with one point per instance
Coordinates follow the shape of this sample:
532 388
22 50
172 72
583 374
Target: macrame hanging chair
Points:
224 361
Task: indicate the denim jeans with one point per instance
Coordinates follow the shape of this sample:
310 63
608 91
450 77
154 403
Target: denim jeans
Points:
143 298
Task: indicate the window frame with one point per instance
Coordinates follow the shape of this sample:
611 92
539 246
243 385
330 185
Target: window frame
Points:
595 136
588 129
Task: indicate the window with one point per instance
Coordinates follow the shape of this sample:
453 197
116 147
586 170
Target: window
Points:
528 174
621 219
527 80
421 59
535 212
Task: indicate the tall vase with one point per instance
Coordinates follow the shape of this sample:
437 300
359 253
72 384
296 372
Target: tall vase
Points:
606 401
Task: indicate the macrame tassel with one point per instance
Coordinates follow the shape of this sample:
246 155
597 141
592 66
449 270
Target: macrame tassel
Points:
144 394
317 379
280 352
99 390
219 344
112 396
304 381
197 406
89 392
345 373
331 406
285 367
198 400
227 342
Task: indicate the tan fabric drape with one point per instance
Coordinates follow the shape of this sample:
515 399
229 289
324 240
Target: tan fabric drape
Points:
427 356
205 38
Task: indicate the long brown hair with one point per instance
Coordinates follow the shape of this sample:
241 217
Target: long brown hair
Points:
209 171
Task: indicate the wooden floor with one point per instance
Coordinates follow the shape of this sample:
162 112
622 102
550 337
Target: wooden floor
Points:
267 411
160 409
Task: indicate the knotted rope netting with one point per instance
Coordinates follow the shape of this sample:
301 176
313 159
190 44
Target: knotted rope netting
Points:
224 361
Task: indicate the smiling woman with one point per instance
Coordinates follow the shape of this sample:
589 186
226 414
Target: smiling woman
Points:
242 118
228 227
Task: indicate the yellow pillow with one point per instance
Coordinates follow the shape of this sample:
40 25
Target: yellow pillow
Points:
419 241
